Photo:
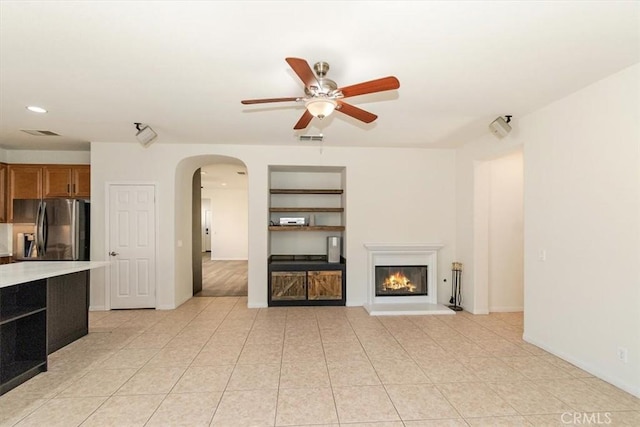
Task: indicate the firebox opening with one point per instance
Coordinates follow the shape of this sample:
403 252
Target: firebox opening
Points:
404 280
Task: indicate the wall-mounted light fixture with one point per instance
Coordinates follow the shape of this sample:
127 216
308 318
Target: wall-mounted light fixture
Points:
145 134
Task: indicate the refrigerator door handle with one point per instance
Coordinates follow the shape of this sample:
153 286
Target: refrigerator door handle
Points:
75 226
36 235
44 230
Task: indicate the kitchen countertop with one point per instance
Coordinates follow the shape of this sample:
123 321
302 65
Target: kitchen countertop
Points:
22 272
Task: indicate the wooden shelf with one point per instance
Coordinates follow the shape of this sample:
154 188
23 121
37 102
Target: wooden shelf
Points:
304 191
9 314
306 209
306 228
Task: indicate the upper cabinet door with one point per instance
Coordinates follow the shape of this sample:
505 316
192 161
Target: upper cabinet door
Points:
3 193
57 181
25 182
81 182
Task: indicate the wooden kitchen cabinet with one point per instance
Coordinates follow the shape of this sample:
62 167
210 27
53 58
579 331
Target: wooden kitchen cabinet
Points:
3 192
25 182
42 181
66 181
81 179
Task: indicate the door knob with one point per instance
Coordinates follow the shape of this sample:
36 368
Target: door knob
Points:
112 253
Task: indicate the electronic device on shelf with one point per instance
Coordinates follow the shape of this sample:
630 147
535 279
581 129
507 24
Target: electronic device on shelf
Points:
293 221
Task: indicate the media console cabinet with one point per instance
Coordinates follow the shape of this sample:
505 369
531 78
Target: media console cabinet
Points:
43 307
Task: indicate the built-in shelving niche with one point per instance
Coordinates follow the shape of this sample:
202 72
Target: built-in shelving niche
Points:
299 271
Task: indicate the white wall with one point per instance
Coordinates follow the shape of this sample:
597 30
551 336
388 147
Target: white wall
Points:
424 186
46 157
506 234
582 206
229 223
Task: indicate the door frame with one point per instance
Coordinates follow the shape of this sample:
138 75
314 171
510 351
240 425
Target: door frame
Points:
107 209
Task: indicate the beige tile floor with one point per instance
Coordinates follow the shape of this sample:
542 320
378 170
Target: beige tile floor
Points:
214 362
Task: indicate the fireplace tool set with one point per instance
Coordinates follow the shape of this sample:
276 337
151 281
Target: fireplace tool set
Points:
456 286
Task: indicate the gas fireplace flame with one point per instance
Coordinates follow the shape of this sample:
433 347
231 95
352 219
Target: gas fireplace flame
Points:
398 281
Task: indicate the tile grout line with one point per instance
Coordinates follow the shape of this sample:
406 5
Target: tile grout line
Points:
178 380
234 365
326 366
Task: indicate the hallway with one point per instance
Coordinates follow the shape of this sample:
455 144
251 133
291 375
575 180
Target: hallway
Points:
223 278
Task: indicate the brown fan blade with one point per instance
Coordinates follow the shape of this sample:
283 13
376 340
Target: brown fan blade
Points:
266 100
379 85
304 120
303 70
355 112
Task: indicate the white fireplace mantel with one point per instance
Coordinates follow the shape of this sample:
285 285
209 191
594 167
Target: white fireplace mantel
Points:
403 247
404 254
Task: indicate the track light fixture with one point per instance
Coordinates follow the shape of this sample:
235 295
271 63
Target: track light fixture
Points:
145 134
500 127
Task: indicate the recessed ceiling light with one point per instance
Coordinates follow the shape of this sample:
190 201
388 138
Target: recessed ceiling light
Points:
203 172
36 109
224 184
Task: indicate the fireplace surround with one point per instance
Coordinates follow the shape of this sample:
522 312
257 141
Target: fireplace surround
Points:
396 255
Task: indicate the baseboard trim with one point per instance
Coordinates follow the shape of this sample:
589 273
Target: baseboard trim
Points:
477 311
629 388
505 309
253 305
97 308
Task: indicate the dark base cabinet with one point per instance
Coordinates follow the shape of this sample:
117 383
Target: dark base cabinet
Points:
36 319
67 309
23 333
298 280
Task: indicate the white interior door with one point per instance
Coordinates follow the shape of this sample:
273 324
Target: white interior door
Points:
132 246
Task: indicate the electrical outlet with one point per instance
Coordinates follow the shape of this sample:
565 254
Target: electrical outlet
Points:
622 354
542 255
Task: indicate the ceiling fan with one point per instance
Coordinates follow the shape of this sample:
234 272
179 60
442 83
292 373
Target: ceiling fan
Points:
323 95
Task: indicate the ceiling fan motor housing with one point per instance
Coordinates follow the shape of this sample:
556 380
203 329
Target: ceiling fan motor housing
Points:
326 87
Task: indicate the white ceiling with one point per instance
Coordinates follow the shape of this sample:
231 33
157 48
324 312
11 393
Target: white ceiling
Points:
224 175
183 67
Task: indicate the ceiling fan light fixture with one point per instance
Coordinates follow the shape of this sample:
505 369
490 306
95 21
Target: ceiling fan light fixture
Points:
321 107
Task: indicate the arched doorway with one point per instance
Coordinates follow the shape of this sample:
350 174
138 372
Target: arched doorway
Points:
188 205
223 229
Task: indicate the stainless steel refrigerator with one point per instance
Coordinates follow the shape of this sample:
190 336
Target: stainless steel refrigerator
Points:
60 230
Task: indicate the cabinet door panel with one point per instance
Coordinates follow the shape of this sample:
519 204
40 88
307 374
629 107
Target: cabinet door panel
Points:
3 192
288 285
25 182
81 186
325 285
57 181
